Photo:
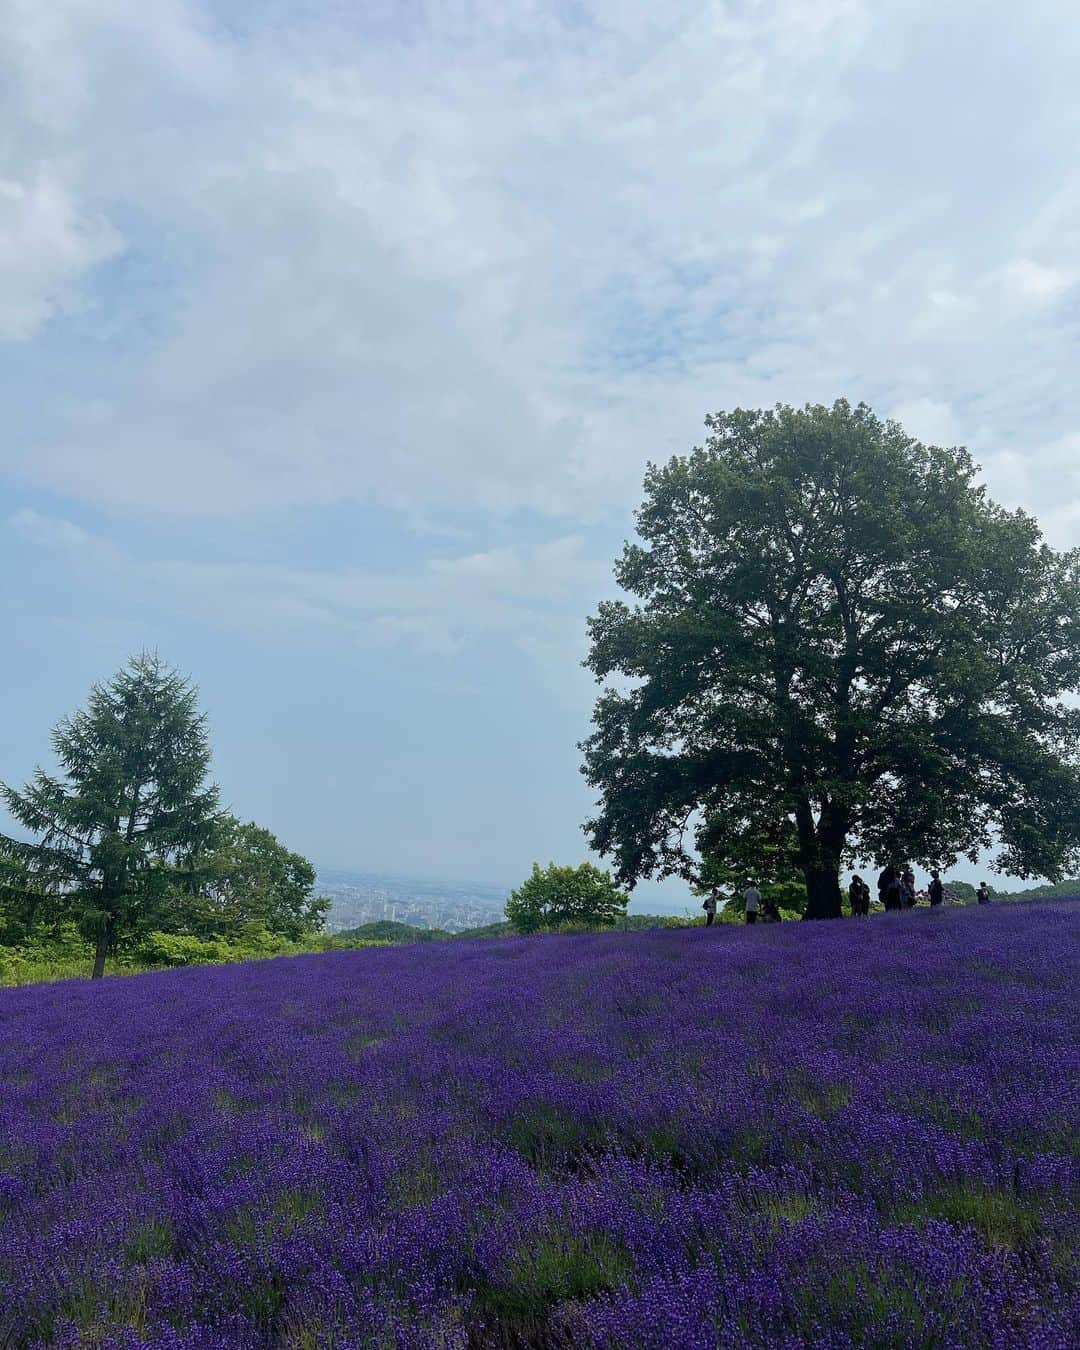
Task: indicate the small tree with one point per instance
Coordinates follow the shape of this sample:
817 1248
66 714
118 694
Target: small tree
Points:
245 875
553 895
132 799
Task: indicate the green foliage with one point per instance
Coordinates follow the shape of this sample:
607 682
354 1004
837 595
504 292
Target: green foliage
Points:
22 907
60 955
1069 887
840 645
241 875
548 1270
487 930
131 846
767 862
181 949
636 923
66 955
389 930
1002 1218
554 896
130 801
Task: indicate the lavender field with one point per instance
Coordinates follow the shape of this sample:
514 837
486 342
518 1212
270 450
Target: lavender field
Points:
849 1134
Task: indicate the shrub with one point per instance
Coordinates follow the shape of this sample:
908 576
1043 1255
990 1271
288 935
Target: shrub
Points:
554 896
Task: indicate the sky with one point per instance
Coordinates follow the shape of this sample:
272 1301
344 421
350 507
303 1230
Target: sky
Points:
335 339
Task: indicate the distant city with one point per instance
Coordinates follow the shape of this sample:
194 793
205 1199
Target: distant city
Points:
365 897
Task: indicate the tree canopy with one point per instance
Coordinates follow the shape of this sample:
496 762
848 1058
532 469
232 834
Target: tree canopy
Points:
556 895
842 648
241 875
132 798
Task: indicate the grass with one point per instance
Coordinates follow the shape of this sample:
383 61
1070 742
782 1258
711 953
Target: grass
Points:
882 1315
546 1136
1002 1219
549 1270
70 959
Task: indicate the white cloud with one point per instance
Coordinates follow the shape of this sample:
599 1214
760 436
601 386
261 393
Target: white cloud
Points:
531 596
47 248
1032 280
49 531
495 256
928 421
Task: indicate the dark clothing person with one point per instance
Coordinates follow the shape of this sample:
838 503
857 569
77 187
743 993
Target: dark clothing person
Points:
859 895
709 906
983 894
769 912
888 885
937 890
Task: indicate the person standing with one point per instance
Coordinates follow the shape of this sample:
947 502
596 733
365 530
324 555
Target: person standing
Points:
859 895
936 890
752 897
709 906
982 895
888 887
907 888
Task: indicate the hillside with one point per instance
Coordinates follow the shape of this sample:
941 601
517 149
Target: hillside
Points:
387 930
1060 890
620 1141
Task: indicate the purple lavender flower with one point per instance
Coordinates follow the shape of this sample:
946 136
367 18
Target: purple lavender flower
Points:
811 1135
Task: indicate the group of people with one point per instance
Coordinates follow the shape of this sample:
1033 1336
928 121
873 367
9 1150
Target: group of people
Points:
756 906
896 891
895 887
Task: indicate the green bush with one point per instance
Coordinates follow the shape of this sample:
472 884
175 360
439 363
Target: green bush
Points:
181 949
555 896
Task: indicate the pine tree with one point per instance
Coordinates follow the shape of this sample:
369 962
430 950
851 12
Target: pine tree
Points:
130 802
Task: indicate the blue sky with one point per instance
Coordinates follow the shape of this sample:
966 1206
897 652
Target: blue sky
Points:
333 347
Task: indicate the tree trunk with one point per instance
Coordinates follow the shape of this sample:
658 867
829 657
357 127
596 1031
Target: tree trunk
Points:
822 893
99 956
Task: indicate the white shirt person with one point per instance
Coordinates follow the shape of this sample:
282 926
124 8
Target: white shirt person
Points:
752 896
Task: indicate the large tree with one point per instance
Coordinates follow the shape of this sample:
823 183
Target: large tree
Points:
840 645
131 799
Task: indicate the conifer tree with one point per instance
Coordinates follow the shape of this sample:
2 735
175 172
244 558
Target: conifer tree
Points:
131 799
